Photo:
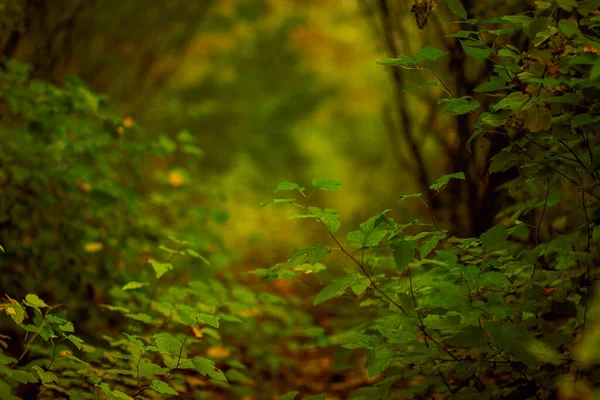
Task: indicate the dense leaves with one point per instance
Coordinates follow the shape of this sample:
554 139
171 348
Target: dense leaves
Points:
107 301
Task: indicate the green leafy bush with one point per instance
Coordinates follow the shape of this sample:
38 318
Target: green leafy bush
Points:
506 314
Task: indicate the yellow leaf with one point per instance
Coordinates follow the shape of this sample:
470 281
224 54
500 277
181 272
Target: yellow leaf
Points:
84 187
217 352
250 313
538 119
10 311
93 247
128 122
175 178
197 332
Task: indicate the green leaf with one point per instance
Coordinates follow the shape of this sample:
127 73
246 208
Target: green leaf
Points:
428 245
6 392
420 85
368 235
327 184
167 343
207 319
321 396
314 253
538 25
503 161
542 351
403 253
329 218
408 196
459 105
478 52
163 388
285 186
567 5
495 238
195 254
380 362
431 53
457 8
495 83
135 341
520 20
289 396
338 287
76 341
34 301
513 102
443 181
151 369
4 359
160 268
67 327
134 285
46 377
22 376
207 367
277 202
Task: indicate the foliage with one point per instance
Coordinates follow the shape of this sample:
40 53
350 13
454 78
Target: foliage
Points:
105 301
502 315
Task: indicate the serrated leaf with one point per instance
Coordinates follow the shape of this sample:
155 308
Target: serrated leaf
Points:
329 218
207 367
76 341
23 376
33 301
432 53
151 369
494 238
207 319
166 343
338 287
163 388
327 184
135 341
134 285
46 377
443 181
16 312
314 253
285 186
513 102
160 268
67 327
